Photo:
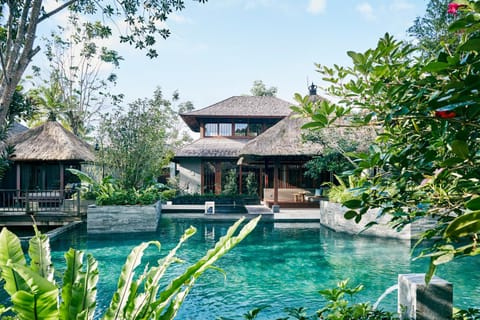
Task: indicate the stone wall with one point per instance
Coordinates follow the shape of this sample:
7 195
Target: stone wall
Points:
189 175
331 216
122 219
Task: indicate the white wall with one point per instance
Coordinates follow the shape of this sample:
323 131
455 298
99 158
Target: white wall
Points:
189 175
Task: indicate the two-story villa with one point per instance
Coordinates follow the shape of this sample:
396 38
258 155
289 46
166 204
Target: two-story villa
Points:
225 128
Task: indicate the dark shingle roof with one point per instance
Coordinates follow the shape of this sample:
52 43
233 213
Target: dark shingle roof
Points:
212 148
240 107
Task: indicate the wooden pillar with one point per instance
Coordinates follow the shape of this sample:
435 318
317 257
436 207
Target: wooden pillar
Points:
218 177
202 177
240 179
260 185
62 178
275 182
19 178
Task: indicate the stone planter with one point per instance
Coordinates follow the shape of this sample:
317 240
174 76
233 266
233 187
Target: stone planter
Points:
122 219
331 216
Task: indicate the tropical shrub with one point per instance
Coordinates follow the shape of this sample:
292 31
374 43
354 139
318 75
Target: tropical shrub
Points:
252 185
339 306
36 294
426 159
230 186
109 191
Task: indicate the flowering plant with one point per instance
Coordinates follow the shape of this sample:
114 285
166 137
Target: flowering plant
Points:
425 161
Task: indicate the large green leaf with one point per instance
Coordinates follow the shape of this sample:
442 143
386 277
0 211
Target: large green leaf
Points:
122 296
183 283
463 226
142 304
29 306
473 204
39 251
11 250
39 301
79 287
460 148
74 260
84 178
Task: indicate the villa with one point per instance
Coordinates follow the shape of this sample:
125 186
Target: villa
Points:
249 134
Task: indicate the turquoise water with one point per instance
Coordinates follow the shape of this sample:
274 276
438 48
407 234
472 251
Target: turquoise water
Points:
280 265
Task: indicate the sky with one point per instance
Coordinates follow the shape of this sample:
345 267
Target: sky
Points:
218 49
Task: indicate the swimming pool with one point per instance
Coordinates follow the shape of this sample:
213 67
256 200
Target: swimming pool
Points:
280 265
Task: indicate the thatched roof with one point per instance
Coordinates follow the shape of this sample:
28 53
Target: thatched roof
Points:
286 139
212 148
242 107
49 142
16 128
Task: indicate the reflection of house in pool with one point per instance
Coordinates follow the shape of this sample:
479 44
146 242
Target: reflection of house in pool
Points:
39 161
251 134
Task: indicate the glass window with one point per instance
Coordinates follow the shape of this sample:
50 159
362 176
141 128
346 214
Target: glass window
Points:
254 129
240 129
211 129
225 129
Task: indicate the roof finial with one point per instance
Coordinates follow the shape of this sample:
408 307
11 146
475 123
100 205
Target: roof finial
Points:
312 90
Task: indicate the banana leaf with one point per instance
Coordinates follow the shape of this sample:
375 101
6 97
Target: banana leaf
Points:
122 297
39 252
11 250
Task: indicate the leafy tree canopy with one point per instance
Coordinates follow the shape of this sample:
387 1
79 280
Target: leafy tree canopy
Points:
431 30
22 19
260 89
426 160
136 143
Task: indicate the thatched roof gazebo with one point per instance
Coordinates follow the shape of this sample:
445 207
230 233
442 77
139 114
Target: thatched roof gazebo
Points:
41 155
50 142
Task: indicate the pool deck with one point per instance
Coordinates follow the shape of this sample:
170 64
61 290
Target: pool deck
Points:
285 214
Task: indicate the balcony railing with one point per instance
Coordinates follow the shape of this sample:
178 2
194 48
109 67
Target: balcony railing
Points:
35 201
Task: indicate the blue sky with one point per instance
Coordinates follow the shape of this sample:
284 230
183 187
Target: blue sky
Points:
219 48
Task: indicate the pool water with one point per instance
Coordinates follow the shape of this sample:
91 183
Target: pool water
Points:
279 265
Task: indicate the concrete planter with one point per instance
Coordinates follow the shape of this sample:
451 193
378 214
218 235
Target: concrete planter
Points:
122 219
331 216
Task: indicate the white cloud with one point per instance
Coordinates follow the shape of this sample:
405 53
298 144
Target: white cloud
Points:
400 5
317 6
366 10
180 19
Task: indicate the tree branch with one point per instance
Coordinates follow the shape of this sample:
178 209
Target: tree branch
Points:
55 11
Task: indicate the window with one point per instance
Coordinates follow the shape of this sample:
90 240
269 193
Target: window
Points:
240 129
225 129
254 129
211 129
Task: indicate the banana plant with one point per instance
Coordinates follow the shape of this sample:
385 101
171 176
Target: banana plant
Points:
35 294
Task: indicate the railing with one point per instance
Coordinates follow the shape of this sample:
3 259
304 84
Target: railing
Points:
35 201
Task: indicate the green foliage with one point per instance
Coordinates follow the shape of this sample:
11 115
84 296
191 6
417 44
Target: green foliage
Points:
218 198
109 191
145 23
35 294
230 186
79 84
339 306
252 185
259 89
137 143
431 30
425 161
332 160
342 192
